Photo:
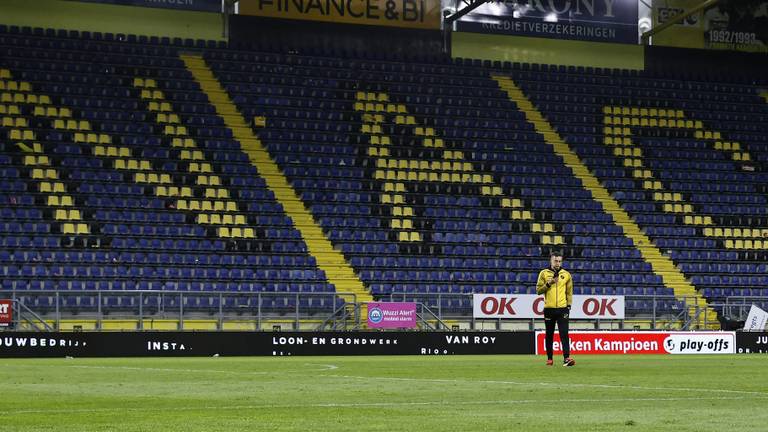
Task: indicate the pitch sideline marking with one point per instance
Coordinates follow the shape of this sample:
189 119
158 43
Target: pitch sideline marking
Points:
323 367
361 405
522 383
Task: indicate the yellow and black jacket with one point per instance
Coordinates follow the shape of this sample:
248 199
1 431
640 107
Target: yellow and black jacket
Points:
560 293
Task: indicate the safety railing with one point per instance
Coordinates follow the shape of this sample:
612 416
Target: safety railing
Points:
146 307
648 311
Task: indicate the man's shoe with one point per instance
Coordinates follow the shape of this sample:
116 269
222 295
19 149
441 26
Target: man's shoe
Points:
569 362
550 363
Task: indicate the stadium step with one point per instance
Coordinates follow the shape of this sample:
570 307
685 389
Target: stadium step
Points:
671 276
331 261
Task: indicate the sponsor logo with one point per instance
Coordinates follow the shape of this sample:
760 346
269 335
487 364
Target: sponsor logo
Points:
707 343
752 343
165 346
666 14
643 343
6 315
39 342
392 315
375 315
293 341
528 306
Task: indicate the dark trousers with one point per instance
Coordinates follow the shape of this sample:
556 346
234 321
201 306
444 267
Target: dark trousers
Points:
557 316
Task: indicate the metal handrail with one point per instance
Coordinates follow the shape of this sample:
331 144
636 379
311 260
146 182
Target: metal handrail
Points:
174 299
440 323
21 311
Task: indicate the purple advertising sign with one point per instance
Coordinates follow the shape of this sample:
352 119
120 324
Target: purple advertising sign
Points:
392 315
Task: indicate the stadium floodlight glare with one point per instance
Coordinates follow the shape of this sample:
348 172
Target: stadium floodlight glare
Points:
551 17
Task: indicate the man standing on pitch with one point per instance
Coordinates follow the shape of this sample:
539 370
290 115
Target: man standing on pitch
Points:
557 286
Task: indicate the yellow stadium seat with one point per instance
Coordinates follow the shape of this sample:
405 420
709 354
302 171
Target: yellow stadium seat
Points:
215 219
248 233
68 228
239 220
203 219
231 206
403 236
224 232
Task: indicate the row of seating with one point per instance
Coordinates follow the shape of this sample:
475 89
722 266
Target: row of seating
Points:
330 124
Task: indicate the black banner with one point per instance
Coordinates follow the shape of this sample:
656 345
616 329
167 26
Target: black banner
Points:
752 342
737 24
169 344
190 5
598 21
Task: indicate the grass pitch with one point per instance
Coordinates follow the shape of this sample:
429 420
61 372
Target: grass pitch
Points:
461 393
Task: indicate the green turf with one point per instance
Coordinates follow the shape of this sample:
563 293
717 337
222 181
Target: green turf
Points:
461 393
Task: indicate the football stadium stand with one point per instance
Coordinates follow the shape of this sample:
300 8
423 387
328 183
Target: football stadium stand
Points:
208 178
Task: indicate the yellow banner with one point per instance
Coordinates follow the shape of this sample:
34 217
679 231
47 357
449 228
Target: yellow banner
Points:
424 14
